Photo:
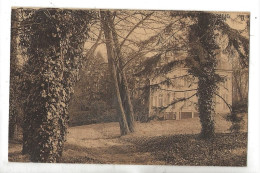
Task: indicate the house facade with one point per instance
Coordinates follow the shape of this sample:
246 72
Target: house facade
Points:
183 85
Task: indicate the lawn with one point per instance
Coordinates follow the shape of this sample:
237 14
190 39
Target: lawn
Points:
168 142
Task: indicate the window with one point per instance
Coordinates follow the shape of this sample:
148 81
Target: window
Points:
182 82
225 97
165 101
174 81
227 101
186 82
151 101
186 101
160 100
168 99
226 83
173 99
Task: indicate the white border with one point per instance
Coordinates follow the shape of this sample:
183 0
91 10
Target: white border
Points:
208 5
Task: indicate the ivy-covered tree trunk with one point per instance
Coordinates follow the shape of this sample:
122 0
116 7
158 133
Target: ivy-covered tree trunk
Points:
46 111
202 64
54 44
111 53
206 107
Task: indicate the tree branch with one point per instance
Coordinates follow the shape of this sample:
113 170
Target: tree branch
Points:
177 91
176 101
230 108
139 23
94 46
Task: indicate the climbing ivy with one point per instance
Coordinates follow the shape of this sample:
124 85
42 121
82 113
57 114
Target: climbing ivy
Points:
53 41
202 64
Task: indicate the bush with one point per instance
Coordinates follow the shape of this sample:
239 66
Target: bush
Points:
88 117
237 116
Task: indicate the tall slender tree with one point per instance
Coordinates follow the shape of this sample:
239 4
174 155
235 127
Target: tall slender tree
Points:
123 83
106 21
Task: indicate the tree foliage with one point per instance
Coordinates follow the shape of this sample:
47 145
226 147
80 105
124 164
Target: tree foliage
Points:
194 46
93 99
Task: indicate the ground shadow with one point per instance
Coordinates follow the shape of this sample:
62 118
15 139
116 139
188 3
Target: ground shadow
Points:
226 149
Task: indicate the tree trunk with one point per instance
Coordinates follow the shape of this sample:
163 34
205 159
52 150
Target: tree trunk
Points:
54 49
114 71
46 120
124 89
13 132
206 108
202 64
127 104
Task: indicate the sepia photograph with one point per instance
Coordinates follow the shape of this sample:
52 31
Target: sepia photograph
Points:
130 87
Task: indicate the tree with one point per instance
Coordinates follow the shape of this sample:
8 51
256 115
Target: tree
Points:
202 64
106 20
93 99
15 112
53 40
197 49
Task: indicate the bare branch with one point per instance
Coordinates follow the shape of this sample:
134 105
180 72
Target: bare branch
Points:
229 106
178 90
176 101
139 23
94 46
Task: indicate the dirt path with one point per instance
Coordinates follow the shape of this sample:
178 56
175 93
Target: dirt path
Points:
102 143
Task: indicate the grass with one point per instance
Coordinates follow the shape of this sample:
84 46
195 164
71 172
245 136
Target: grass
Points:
192 151
168 142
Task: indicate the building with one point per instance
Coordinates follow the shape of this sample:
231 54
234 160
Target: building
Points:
183 85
